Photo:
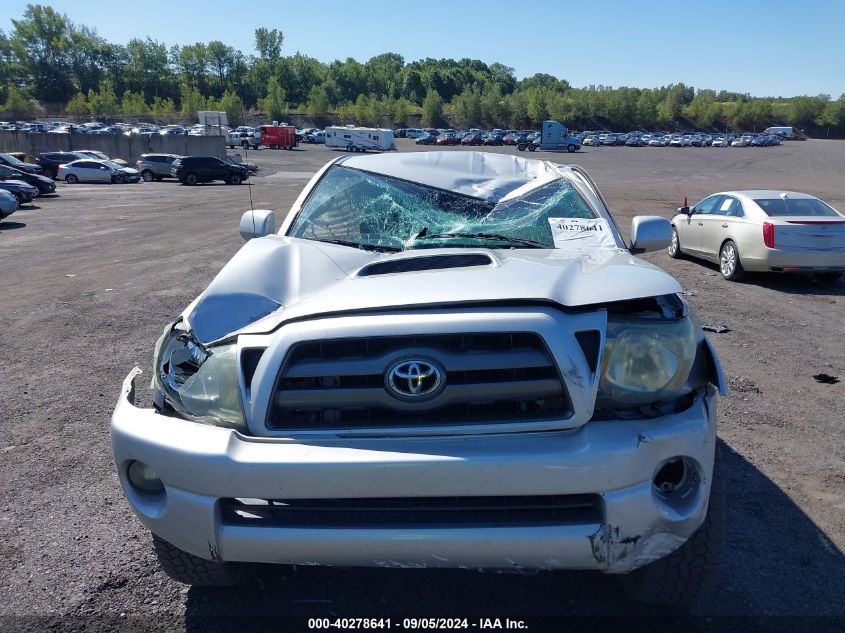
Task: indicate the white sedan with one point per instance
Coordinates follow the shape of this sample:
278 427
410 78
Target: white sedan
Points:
87 170
762 231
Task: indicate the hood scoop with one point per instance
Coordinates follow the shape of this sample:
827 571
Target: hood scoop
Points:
431 262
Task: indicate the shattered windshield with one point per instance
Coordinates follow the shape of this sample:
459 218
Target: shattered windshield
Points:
368 210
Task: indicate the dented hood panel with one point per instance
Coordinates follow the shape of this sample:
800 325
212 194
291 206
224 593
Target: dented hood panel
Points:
275 279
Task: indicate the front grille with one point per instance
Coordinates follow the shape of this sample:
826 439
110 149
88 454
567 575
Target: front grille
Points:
414 512
432 262
490 378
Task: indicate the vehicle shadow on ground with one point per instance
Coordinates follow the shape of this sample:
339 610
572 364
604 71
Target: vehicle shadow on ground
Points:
798 284
11 226
780 572
791 283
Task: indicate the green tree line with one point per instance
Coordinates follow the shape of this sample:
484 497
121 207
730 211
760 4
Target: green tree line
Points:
47 62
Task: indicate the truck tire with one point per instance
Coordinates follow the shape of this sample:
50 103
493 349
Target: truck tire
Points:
193 570
532 147
521 147
690 572
570 148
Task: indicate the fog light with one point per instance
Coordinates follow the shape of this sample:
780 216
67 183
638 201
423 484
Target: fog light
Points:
144 478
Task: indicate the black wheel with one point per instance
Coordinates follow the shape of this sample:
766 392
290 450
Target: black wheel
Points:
690 572
570 148
190 179
827 278
521 147
71 179
350 149
120 179
532 147
147 175
674 248
235 179
193 570
729 262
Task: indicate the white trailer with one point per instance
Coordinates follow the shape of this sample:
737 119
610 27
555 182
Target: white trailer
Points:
360 139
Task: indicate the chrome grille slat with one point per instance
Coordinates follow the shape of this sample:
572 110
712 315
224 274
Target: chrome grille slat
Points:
454 362
490 378
378 397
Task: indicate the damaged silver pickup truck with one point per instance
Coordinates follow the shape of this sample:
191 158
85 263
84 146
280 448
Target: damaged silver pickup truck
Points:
442 359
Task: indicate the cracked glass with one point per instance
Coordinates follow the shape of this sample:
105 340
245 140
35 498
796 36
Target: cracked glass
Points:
368 210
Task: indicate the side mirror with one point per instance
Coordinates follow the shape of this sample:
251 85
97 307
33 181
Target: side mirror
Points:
257 223
650 233
686 210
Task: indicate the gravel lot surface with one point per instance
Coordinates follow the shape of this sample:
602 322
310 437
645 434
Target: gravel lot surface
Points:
91 276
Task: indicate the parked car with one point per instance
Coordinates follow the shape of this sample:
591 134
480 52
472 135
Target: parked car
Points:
591 141
428 139
50 161
448 139
494 138
42 183
243 140
315 138
8 160
720 141
89 170
557 411
155 166
190 170
657 142
22 191
739 142
415 133
9 203
762 231
473 138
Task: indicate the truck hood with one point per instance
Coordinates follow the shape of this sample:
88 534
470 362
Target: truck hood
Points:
276 279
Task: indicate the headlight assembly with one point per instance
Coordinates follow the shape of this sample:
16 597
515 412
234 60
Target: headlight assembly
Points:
200 384
646 361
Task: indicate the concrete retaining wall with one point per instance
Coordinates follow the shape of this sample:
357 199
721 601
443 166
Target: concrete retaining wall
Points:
129 148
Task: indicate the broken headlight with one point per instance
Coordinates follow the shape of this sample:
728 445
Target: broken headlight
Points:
199 383
646 361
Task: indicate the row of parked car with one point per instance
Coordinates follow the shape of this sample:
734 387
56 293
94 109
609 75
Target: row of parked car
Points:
659 139
26 180
128 129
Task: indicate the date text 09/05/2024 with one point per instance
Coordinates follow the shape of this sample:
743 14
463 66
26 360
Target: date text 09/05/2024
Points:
356 624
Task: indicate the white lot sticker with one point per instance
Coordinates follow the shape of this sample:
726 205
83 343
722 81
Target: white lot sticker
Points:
591 232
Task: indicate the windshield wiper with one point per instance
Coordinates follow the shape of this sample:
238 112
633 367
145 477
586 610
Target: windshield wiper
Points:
483 236
364 247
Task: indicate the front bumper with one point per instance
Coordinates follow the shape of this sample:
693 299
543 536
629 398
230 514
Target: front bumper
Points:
201 464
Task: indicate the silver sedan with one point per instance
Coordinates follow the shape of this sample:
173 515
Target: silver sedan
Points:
762 231
90 170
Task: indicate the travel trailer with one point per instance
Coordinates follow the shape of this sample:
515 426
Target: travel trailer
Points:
360 139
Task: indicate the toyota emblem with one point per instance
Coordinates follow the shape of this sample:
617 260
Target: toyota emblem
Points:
414 379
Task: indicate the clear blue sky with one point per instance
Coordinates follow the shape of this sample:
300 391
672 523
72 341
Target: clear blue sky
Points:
765 47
